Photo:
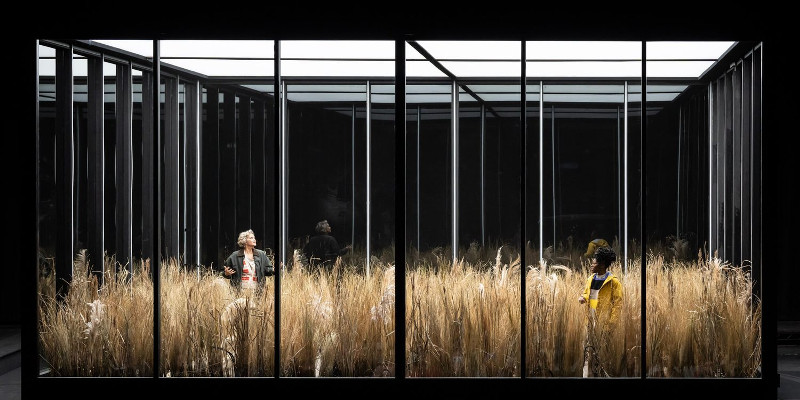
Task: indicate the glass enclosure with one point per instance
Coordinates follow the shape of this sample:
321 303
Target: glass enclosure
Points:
219 136
86 183
580 130
462 207
703 272
338 140
611 229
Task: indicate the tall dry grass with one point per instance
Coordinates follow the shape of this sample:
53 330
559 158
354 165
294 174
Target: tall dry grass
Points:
337 322
558 324
204 328
96 331
462 319
702 320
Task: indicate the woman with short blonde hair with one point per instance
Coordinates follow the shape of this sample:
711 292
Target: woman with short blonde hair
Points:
247 267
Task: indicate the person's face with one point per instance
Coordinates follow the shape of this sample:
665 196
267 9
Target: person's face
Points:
597 268
250 240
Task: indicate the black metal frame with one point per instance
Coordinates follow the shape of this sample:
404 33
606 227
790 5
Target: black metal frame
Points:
64 198
565 386
96 165
192 166
124 162
171 175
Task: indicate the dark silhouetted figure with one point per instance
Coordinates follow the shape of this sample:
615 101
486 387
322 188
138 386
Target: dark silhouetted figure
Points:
323 248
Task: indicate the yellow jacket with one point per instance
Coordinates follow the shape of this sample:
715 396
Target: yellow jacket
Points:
609 298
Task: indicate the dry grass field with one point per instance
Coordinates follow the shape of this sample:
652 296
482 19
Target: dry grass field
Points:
463 319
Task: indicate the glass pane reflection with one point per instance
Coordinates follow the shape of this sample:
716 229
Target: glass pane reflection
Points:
462 216
703 295
337 288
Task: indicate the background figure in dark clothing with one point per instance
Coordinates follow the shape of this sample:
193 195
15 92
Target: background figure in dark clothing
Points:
323 248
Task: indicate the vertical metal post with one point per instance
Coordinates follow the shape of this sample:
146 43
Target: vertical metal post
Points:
171 171
124 166
30 297
483 178
96 166
278 108
620 174
197 95
209 234
727 168
243 165
522 203
284 158
148 153
735 165
419 133
769 361
625 186
353 174
678 188
259 156
711 128
65 173
191 171
454 168
228 199
643 216
184 184
541 170
369 175
400 208
155 178
553 163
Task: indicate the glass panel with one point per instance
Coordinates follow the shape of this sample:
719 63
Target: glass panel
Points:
342 58
338 288
142 48
703 306
86 332
382 178
577 201
80 132
462 210
239 58
110 158
630 255
138 132
183 184
219 145
46 193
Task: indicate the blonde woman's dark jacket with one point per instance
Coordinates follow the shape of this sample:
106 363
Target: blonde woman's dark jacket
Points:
235 261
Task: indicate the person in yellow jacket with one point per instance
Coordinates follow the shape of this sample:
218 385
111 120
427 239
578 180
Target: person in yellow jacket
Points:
603 296
603 291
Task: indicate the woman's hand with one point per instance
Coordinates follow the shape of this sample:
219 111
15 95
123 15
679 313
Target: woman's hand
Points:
229 271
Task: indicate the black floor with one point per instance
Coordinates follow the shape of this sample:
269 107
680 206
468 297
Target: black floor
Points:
788 362
10 359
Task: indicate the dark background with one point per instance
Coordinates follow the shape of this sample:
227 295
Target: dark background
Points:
637 21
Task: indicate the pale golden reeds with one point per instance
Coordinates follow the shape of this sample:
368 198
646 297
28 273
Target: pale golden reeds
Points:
335 322
557 324
703 320
462 319
206 324
95 331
